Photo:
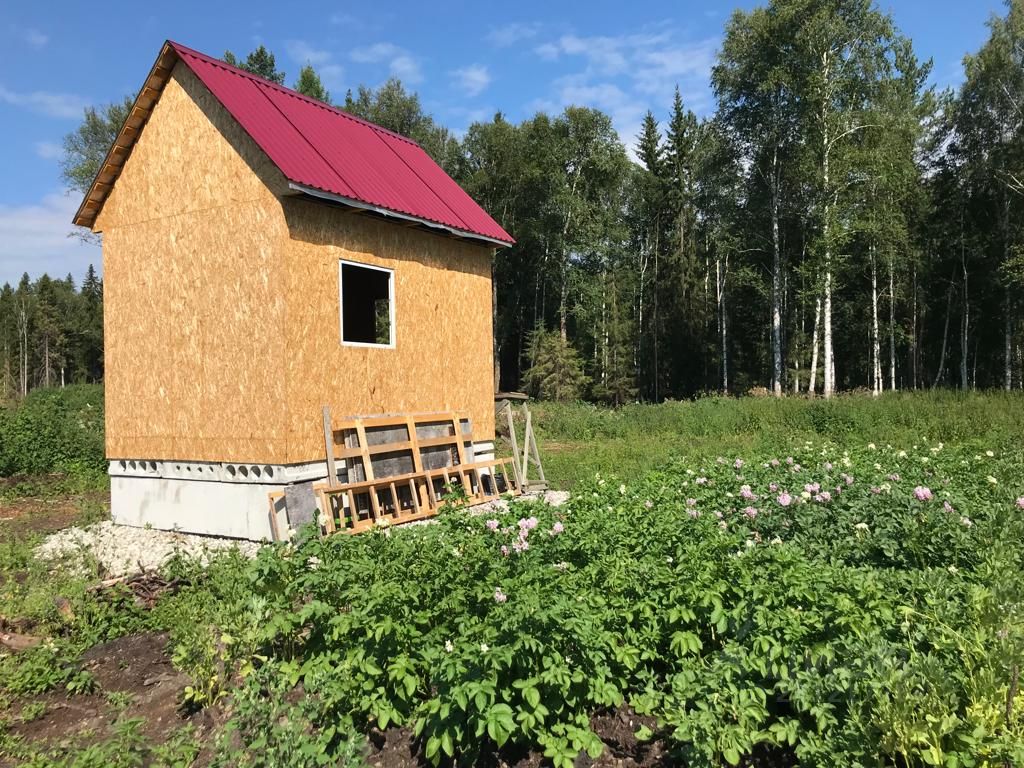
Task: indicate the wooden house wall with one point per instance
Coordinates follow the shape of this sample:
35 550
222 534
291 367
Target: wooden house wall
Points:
193 276
443 336
222 303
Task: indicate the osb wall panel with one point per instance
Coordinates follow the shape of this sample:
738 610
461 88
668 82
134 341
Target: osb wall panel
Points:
442 357
194 300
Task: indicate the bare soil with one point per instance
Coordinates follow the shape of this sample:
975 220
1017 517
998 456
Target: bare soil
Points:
139 670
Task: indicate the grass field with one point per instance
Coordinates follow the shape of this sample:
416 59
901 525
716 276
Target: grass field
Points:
580 439
734 582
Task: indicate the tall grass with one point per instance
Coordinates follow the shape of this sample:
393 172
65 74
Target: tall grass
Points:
579 439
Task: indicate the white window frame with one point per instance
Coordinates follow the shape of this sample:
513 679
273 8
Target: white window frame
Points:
341 308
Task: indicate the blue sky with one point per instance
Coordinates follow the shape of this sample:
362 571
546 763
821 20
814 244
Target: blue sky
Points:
466 60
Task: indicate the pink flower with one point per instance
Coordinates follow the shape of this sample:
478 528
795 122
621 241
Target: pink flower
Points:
848 479
557 528
701 481
738 463
796 467
922 494
789 459
894 477
823 497
774 462
719 515
750 512
947 506
747 494
649 504
773 487
527 523
1020 502
694 513
785 499
504 551
812 487
875 489
499 596
691 502
828 466
492 525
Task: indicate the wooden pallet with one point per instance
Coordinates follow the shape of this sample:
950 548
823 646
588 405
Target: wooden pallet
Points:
400 468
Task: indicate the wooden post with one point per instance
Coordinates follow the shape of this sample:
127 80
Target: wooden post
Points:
332 472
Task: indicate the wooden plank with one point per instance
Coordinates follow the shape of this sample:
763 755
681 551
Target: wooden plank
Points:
527 433
515 443
332 471
367 464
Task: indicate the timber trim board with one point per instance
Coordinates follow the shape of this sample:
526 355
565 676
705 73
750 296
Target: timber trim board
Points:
121 149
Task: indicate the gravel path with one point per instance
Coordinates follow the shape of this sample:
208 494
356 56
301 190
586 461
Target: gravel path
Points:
122 549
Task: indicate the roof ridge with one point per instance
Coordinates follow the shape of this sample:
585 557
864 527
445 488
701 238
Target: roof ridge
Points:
179 48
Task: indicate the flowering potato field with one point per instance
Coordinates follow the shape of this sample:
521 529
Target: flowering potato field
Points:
857 606
785 599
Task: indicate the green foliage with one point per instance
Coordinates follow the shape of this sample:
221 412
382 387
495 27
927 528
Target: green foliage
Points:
54 430
259 62
309 84
87 146
556 371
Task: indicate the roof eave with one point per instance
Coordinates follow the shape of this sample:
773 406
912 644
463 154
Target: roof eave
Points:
119 151
387 212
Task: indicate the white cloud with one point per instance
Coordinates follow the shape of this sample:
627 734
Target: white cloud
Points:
34 37
304 53
510 34
34 239
48 150
331 73
624 75
472 79
547 51
401 63
45 102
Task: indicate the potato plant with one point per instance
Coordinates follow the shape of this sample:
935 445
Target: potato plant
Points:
856 606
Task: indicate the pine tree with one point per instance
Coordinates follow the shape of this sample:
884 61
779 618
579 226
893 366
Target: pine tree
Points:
259 62
309 84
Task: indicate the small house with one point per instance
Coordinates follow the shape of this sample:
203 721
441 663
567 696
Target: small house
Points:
266 255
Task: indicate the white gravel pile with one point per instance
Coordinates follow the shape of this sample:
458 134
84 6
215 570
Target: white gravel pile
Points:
121 549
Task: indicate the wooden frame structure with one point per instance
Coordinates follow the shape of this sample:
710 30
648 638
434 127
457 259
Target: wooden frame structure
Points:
400 468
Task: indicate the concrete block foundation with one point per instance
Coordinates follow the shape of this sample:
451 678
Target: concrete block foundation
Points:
215 499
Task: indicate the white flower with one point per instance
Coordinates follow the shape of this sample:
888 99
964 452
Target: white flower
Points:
484 647
871 447
990 454
448 646
992 480
902 454
953 569
622 489
861 526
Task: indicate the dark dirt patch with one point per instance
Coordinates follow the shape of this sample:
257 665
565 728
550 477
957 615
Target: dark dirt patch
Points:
396 748
137 668
20 517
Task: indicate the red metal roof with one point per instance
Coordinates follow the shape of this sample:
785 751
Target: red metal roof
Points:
325 149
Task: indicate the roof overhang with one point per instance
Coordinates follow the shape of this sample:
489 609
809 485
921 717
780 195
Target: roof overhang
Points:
359 204
118 153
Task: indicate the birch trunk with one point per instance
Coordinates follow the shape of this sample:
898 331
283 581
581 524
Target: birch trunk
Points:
813 382
776 282
892 329
876 349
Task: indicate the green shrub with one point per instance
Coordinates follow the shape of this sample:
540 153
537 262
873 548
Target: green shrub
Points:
54 430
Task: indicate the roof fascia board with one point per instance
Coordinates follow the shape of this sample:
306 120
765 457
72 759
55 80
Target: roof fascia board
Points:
314 192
